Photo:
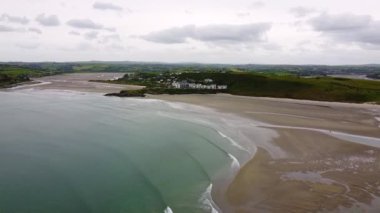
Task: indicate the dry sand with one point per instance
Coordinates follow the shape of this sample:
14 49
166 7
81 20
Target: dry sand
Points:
320 173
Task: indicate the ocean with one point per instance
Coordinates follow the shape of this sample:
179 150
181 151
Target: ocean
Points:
64 151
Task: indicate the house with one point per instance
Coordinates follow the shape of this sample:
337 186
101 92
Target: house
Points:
186 85
180 85
208 80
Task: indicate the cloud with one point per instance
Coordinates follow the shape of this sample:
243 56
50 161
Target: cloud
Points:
84 24
171 36
243 14
257 4
347 27
4 28
75 33
210 33
110 38
111 29
115 47
340 22
91 35
29 46
106 6
302 11
35 30
7 29
14 19
84 47
49 21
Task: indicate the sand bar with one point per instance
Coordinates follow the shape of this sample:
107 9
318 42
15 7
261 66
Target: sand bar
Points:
78 82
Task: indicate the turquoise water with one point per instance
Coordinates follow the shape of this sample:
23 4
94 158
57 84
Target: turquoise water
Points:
75 152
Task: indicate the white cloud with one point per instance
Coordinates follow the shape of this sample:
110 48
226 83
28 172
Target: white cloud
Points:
48 20
257 4
361 29
340 22
91 35
4 28
84 24
106 6
211 33
35 30
28 45
302 11
14 19
75 33
110 38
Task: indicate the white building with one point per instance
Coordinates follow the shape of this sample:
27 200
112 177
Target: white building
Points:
186 85
208 80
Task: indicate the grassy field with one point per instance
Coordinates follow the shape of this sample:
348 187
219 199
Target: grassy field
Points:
290 86
13 74
270 85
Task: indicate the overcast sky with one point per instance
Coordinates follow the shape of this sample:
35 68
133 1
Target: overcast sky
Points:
212 31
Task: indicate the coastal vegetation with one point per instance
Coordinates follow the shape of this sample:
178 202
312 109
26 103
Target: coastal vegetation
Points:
11 74
129 93
262 85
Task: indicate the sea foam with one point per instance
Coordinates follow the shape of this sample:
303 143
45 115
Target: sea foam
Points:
234 143
235 165
207 201
168 210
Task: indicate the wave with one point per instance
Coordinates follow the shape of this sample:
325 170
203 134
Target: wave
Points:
207 201
234 143
168 210
235 165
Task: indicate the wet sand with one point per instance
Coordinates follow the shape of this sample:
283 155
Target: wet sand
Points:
320 173
78 82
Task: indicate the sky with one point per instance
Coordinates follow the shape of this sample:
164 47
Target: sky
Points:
213 31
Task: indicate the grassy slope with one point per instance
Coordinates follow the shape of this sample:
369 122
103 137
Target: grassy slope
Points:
288 86
13 74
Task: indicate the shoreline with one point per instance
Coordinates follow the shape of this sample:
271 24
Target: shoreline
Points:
305 163
312 156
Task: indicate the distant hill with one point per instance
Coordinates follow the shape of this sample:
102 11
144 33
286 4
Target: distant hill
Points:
21 71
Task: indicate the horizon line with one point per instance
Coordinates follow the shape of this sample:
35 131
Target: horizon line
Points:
199 63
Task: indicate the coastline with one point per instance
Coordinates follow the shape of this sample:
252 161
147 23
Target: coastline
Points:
321 172
311 156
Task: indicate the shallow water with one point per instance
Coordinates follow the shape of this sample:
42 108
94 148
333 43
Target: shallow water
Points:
80 152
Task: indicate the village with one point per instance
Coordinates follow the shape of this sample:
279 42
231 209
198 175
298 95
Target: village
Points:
173 80
208 84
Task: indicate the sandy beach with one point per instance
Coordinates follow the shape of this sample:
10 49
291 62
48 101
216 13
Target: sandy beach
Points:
321 172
